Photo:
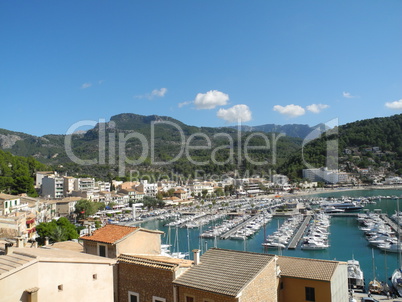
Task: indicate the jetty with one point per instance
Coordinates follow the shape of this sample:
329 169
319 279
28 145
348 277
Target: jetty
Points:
296 238
227 234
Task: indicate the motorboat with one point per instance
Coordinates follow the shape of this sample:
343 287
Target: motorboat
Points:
314 245
355 275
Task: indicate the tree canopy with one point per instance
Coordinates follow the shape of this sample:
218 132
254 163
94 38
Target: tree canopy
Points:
56 230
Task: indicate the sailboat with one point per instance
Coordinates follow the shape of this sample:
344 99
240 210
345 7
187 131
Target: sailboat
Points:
396 278
375 286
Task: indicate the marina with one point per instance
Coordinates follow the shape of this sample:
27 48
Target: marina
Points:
347 241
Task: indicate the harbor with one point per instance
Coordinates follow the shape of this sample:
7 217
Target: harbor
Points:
346 240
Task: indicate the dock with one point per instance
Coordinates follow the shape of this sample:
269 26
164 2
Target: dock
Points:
391 223
296 238
227 234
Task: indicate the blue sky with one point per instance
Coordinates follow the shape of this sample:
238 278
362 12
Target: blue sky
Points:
205 63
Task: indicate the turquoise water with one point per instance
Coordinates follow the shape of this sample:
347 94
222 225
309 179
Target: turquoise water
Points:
346 239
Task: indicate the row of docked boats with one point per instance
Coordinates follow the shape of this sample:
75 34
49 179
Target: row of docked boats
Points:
226 225
378 233
282 236
251 226
317 234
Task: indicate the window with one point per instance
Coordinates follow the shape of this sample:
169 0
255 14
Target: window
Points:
157 299
189 299
94 276
60 287
133 297
102 250
310 294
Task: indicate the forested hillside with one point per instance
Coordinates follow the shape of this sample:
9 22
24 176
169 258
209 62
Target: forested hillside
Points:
158 144
17 173
373 143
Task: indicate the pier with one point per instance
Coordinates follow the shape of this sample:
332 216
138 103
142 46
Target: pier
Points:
296 238
227 234
391 223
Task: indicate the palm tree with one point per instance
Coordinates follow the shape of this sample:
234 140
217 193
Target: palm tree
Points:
58 234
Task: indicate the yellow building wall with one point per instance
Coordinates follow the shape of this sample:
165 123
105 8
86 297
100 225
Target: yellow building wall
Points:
294 290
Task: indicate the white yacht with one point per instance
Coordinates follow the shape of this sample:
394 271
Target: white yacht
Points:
355 275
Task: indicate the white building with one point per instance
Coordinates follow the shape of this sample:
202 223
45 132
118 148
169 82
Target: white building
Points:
102 186
147 188
325 175
84 184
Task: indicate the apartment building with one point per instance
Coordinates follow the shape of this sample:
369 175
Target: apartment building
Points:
53 187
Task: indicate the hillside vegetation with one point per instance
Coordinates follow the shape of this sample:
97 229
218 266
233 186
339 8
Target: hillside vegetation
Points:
374 144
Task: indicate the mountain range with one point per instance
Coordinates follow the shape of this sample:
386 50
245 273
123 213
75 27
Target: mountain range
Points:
155 143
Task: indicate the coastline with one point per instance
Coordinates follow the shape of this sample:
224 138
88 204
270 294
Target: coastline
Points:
310 192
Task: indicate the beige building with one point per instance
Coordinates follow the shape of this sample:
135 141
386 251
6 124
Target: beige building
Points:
10 203
112 240
42 274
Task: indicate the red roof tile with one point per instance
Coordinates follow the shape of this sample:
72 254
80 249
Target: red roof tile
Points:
110 233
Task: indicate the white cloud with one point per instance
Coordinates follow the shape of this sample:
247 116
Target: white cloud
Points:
184 103
290 110
86 85
159 92
348 95
397 105
316 108
211 99
154 93
237 113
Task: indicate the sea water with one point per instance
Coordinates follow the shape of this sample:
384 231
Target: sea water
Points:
346 240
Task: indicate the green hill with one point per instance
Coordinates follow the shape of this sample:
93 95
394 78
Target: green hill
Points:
374 144
153 143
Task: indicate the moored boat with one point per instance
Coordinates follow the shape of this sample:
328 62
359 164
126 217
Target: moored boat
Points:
355 275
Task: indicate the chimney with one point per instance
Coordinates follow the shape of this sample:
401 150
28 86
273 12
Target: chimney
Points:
20 242
196 256
9 249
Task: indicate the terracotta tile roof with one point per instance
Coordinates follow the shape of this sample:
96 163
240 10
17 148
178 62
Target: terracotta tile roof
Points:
303 268
156 261
224 272
110 233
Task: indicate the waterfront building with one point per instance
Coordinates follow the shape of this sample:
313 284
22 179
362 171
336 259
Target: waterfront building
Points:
326 175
